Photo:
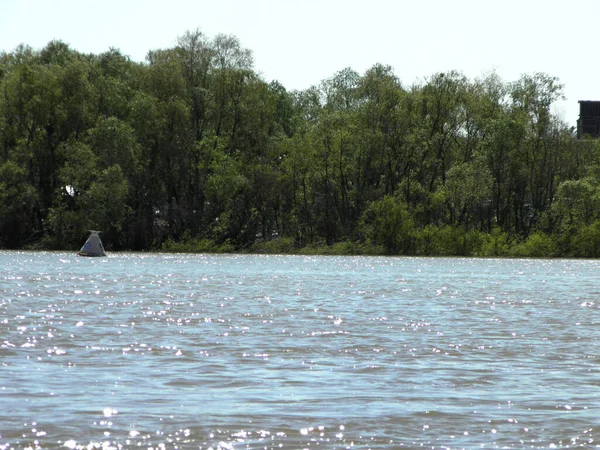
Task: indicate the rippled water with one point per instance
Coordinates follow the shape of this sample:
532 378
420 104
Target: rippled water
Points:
265 352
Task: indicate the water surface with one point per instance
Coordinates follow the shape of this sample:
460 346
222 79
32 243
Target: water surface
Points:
252 352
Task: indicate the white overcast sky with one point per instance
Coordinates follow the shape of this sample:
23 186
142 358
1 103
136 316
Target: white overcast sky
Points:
300 43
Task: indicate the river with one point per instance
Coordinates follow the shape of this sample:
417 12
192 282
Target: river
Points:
177 351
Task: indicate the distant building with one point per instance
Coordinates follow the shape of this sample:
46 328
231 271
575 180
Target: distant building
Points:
589 119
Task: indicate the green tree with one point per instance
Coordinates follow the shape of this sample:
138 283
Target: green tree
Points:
468 190
18 206
577 203
532 97
387 222
67 220
106 203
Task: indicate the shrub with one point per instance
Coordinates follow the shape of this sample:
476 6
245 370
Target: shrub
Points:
586 242
537 245
494 244
388 223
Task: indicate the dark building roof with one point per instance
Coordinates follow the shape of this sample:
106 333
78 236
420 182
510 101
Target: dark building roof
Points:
589 119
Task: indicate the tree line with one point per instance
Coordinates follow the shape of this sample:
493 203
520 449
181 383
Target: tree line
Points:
192 150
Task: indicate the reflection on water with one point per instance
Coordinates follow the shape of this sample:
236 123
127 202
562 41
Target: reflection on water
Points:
202 351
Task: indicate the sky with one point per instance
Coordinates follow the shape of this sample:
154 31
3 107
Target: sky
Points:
301 43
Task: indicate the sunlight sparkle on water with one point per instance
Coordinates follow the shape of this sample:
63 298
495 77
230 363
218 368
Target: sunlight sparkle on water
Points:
404 350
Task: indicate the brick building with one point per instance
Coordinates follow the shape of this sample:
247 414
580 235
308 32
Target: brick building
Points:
589 119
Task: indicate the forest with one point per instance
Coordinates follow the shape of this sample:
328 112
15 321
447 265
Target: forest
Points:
192 150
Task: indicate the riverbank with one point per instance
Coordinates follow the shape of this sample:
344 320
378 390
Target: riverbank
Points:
443 242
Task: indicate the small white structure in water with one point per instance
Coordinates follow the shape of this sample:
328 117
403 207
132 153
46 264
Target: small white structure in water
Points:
93 246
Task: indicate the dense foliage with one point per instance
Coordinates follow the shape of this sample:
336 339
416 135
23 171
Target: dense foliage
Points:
193 150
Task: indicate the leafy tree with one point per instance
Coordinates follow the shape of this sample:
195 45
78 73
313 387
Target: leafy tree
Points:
198 56
532 97
194 149
384 125
443 98
586 241
468 191
67 221
18 206
577 203
387 222
114 143
106 203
